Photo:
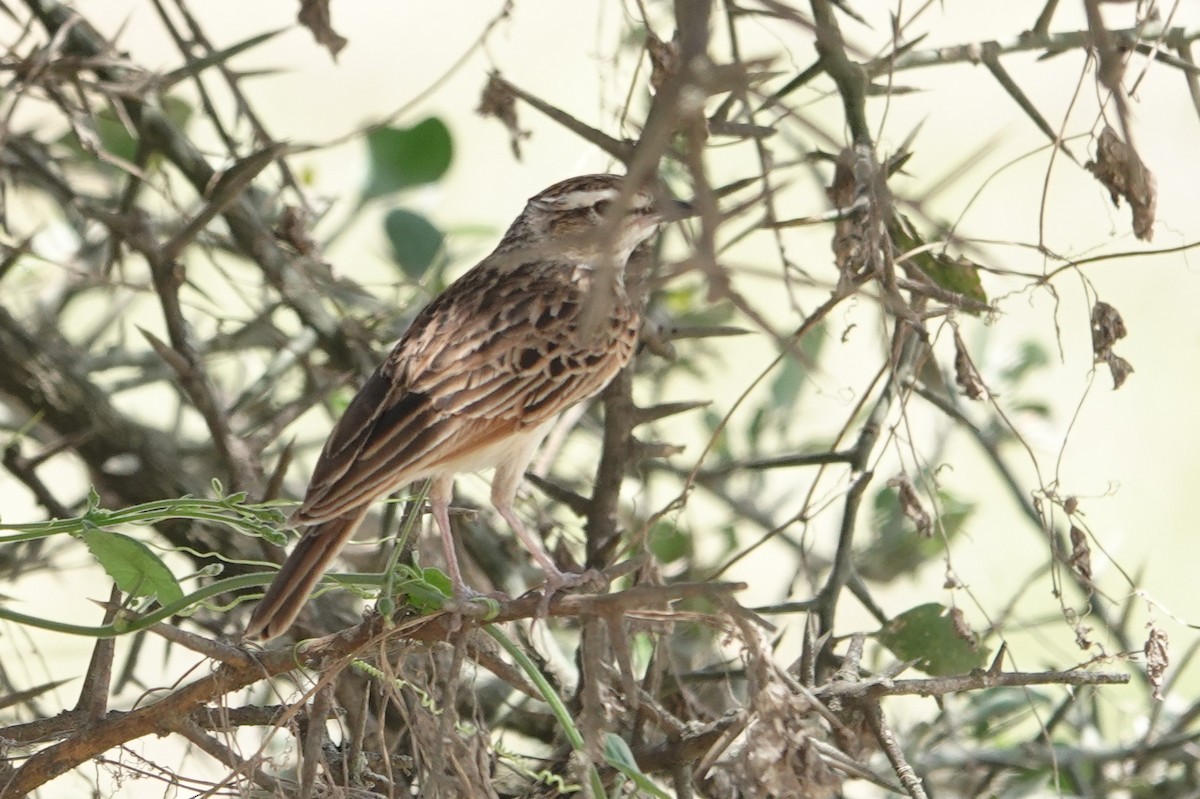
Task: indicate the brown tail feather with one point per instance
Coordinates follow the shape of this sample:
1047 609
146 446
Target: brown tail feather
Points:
302 570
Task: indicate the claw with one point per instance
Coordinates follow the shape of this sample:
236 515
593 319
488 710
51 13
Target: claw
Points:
467 602
561 581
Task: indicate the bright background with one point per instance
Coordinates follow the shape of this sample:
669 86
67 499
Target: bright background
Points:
1129 455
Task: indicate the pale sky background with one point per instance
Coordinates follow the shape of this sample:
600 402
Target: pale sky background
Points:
1129 454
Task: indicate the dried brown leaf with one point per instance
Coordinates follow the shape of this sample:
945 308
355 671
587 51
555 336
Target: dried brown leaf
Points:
1081 554
778 757
1157 660
1120 369
1082 637
1107 329
293 229
851 237
962 629
965 374
314 15
1121 171
499 101
910 503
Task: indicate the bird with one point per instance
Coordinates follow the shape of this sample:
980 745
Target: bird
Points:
478 379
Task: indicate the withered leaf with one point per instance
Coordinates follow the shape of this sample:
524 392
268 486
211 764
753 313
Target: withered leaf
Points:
1121 171
293 229
965 374
1081 554
963 630
1083 638
314 15
852 239
910 504
1119 368
1107 329
498 101
1157 660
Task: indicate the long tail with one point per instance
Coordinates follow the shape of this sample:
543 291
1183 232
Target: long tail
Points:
287 594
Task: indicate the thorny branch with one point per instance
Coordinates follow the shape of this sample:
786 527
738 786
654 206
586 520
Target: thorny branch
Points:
704 704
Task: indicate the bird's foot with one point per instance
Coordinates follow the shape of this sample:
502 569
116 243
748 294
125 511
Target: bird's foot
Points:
469 603
562 581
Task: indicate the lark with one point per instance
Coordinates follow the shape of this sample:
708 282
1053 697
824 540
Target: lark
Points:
540 324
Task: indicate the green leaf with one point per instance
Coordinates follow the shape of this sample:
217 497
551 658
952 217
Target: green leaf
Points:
755 428
720 447
1031 356
117 139
426 589
790 377
136 570
669 543
439 580
1035 408
401 158
928 635
689 306
414 239
618 755
897 549
958 275
990 713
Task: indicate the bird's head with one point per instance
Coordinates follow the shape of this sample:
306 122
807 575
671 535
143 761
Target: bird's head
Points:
586 218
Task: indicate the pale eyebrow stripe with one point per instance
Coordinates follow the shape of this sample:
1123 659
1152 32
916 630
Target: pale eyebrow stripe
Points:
583 198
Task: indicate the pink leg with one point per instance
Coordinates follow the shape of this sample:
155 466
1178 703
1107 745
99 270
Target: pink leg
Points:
504 492
440 494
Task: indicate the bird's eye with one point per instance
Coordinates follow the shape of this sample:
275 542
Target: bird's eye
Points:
602 207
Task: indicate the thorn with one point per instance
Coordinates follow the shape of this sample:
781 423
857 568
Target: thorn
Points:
707 331
576 503
172 357
663 410
997 666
